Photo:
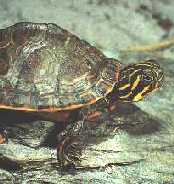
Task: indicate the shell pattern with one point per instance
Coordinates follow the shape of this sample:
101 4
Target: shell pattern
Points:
43 66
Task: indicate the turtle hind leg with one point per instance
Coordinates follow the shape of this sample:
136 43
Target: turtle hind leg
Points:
70 145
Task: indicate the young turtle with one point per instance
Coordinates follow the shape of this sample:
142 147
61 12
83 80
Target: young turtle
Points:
47 70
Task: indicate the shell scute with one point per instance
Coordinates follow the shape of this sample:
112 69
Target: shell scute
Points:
49 67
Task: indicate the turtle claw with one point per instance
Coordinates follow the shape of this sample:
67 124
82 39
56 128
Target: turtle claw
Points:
69 151
71 144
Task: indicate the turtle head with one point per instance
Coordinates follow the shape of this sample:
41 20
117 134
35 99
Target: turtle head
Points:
138 80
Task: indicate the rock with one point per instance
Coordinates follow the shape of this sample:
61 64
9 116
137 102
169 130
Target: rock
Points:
33 134
111 145
6 177
25 128
133 145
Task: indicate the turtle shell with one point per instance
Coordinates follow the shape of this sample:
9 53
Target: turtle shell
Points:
44 67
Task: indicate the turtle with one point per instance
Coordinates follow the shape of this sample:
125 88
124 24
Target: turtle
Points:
48 70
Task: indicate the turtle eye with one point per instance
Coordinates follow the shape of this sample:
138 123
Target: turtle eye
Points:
147 77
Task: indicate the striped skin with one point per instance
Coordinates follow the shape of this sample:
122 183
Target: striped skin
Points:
135 82
138 80
49 71
46 68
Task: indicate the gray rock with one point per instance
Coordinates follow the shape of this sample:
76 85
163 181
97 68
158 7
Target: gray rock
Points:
133 145
32 134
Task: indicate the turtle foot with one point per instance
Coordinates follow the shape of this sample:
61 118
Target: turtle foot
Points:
69 151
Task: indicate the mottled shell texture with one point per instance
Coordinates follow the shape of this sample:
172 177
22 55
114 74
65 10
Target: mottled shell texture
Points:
43 66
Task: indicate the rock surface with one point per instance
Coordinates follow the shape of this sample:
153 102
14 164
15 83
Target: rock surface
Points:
135 144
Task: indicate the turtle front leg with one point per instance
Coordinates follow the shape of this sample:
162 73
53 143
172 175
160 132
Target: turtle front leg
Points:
70 145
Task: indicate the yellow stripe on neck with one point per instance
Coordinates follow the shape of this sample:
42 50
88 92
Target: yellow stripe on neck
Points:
124 87
125 96
135 84
139 96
